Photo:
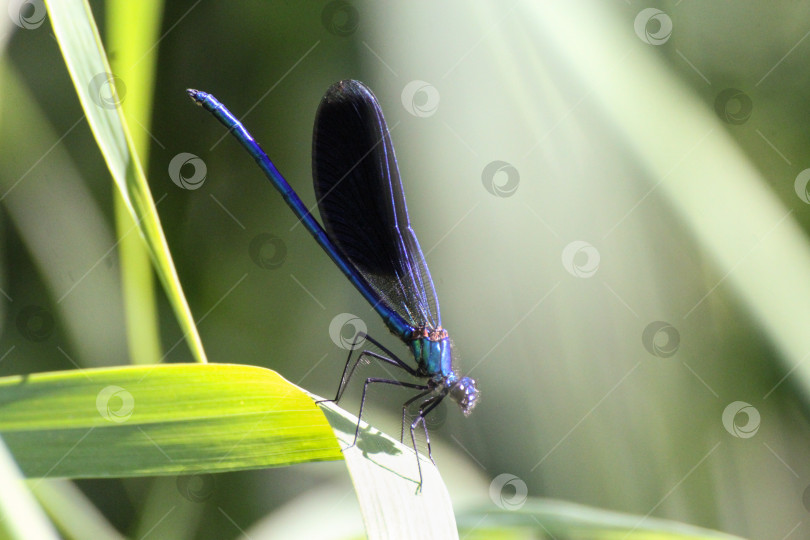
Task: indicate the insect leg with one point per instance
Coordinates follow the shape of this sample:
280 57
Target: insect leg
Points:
372 380
424 409
349 372
405 410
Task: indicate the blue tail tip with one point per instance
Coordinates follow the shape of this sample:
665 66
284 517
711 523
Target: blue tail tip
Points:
195 95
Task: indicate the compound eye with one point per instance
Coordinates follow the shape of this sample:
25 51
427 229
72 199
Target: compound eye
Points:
465 393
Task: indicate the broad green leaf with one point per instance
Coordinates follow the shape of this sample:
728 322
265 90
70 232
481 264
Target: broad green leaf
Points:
158 420
386 479
202 418
546 518
95 85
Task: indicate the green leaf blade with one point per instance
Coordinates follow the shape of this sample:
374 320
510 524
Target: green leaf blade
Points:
386 478
170 419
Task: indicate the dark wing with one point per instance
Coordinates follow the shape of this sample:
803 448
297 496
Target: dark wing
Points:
362 203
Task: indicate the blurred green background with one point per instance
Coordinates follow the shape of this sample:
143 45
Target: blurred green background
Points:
636 265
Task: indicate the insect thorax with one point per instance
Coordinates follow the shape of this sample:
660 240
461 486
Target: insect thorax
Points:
433 352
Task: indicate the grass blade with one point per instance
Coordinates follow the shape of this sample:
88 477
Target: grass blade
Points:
560 519
20 515
95 85
135 58
159 420
385 479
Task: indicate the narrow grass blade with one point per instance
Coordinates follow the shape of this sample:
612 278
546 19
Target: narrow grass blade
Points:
71 510
20 515
133 33
516 517
101 93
